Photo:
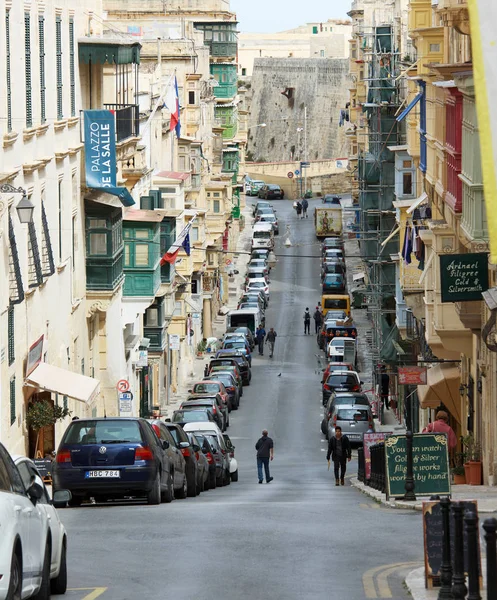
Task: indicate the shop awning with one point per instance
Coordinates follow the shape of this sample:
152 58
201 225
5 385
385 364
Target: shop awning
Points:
409 107
110 51
61 381
442 387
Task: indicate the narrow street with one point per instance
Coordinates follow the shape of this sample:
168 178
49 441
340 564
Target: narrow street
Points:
296 538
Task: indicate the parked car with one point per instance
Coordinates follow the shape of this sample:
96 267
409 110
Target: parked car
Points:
258 295
111 458
260 253
212 387
333 282
331 242
177 463
259 262
219 404
209 455
231 453
230 384
333 254
58 562
342 399
331 199
336 366
25 557
255 186
213 403
203 482
246 332
214 367
257 272
333 268
216 440
237 345
263 210
261 204
192 415
270 218
271 192
241 361
258 285
341 380
354 420
183 444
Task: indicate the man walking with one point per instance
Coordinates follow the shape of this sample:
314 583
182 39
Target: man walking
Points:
260 334
265 453
305 206
271 339
318 319
307 321
340 452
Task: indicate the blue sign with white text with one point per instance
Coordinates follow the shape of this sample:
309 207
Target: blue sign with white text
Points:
100 154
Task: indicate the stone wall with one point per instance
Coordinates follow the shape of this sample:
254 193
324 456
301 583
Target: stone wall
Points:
281 88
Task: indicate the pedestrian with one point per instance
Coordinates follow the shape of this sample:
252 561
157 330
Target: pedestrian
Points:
305 206
318 319
385 386
307 321
271 339
299 209
265 453
260 334
441 425
340 452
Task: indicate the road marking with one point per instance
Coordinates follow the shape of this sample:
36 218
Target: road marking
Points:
381 574
94 592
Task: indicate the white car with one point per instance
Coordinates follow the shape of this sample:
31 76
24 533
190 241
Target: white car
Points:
58 564
213 429
24 535
258 285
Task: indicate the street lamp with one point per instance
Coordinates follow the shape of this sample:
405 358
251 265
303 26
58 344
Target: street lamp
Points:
25 208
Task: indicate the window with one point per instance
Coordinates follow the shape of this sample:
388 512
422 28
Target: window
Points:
216 206
41 52
322 53
194 234
13 401
142 234
191 97
434 47
407 184
7 71
27 69
216 194
97 244
167 190
406 164
72 80
59 191
127 255
35 275
58 54
141 255
11 336
152 317
244 72
314 29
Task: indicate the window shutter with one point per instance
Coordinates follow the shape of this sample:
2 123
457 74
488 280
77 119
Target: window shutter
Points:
35 276
58 54
11 341
157 200
27 68
71 68
146 203
48 266
64 401
7 69
16 291
41 42
13 401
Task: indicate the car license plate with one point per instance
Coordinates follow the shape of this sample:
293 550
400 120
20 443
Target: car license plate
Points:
102 474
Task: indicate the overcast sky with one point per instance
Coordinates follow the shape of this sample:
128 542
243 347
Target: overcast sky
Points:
278 15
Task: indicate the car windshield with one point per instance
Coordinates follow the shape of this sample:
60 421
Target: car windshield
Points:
342 379
273 187
333 277
257 284
206 388
351 400
353 414
110 431
262 234
268 218
213 441
230 344
190 416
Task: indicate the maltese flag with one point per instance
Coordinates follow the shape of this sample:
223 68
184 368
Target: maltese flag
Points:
171 102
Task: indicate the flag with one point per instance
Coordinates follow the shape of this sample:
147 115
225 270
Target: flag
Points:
171 102
182 241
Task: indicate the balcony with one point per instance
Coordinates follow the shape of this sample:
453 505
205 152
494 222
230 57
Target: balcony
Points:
220 37
226 77
455 14
141 233
127 118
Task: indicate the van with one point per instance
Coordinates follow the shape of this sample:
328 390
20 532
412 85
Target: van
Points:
335 302
263 236
247 317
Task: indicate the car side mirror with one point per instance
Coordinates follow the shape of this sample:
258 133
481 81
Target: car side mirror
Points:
236 272
165 444
167 420
196 448
184 444
190 391
61 498
35 489
361 382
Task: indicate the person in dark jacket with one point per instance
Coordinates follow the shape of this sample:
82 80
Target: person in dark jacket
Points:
265 453
298 208
340 452
260 334
305 206
318 319
307 321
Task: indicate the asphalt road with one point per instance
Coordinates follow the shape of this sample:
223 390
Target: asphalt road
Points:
298 537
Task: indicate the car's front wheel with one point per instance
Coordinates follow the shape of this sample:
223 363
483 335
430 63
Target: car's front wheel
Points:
234 476
15 586
59 584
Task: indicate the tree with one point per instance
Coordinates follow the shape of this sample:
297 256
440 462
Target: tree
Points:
43 414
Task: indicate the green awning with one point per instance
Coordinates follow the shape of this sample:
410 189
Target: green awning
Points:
114 52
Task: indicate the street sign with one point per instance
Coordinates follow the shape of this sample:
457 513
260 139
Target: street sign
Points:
174 341
297 172
463 276
122 385
125 404
412 375
430 457
304 165
290 175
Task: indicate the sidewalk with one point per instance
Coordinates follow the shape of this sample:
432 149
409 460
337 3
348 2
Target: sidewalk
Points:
219 321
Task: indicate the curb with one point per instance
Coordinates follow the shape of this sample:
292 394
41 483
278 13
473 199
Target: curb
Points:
415 583
379 497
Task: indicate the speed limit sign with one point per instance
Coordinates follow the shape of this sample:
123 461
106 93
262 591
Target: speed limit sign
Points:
122 385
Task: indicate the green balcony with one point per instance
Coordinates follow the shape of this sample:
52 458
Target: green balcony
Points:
154 326
231 163
141 257
104 247
225 75
227 115
220 37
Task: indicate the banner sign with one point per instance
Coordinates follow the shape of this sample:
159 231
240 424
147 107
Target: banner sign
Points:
463 276
100 154
430 454
34 355
412 375
369 440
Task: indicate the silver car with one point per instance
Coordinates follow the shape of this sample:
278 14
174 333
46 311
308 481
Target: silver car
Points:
354 420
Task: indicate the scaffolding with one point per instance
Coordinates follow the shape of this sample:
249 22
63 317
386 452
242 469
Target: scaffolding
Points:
381 47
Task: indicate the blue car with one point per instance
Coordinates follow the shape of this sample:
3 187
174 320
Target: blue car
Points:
111 458
333 282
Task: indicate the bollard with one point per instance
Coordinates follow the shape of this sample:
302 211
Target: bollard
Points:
445 592
490 527
459 589
409 485
471 527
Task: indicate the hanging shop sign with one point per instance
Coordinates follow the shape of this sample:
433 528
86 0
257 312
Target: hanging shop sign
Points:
412 375
463 276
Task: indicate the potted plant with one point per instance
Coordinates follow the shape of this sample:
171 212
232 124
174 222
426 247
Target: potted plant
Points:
201 346
467 442
475 466
459 472
41 414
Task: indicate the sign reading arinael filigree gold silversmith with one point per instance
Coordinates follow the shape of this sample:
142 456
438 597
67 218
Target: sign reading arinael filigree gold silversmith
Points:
430 464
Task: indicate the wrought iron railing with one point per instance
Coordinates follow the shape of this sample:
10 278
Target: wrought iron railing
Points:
127 120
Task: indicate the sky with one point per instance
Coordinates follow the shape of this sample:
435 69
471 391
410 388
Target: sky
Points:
256 16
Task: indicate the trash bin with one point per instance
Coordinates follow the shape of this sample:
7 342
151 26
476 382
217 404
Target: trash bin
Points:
357 298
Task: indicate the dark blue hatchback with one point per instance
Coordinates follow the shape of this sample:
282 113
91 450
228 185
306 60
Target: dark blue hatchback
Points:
111 458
